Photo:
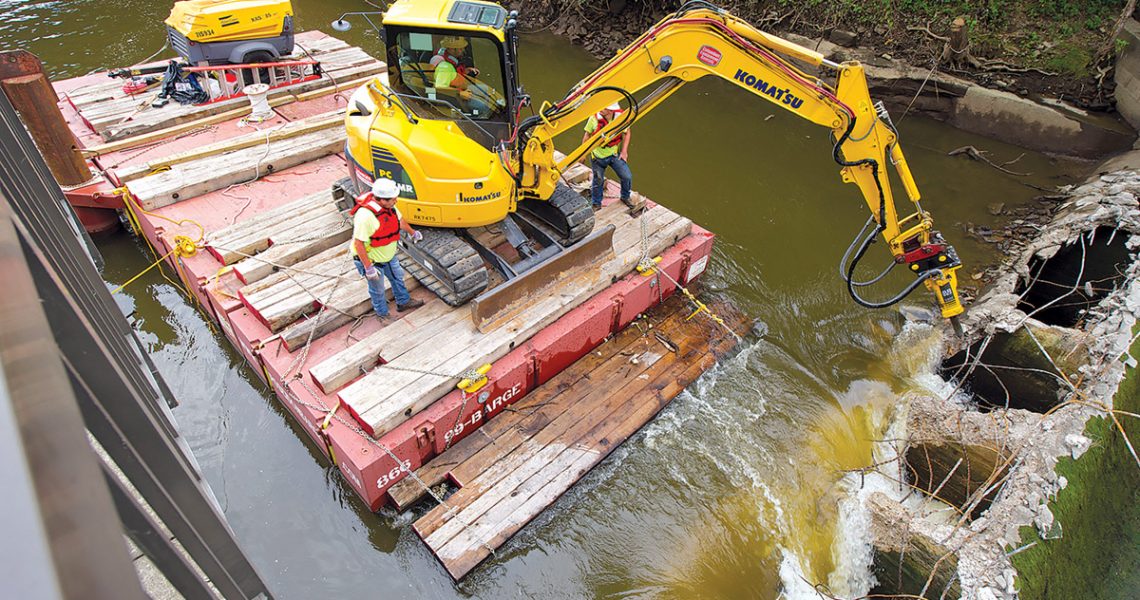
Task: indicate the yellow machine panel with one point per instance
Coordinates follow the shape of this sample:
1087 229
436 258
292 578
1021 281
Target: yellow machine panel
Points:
440 14
229 20
445 179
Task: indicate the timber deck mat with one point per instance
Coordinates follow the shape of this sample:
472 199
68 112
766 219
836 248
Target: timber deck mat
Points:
522 461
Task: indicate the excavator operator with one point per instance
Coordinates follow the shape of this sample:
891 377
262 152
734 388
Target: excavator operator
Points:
453 73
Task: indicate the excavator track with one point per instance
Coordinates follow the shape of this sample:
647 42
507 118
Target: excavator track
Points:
567 215
447 265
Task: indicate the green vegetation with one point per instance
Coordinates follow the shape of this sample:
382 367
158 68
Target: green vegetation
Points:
1095 552
1061 37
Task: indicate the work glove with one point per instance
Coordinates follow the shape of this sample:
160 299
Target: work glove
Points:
371 273
417 237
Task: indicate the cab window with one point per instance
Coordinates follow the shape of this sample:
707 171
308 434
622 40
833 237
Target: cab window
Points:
449 73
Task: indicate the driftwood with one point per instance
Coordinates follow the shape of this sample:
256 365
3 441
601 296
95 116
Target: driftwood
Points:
979 155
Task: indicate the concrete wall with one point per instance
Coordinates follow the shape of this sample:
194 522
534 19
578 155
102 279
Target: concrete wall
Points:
1128 75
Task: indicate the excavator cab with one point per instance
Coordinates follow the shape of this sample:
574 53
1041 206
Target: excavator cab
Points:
439 127
460 69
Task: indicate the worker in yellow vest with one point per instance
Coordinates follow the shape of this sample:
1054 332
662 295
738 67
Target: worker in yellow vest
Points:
612 154
455 75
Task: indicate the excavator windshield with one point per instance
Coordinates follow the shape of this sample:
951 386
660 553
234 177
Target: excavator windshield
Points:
448 74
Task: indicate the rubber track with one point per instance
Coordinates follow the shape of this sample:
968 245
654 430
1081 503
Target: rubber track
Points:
570 207
464 267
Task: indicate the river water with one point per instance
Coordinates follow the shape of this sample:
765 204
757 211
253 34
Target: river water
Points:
740 489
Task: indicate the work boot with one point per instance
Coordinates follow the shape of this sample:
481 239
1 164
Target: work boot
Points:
409 305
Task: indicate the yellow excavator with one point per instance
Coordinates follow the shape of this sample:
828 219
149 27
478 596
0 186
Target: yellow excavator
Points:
447 127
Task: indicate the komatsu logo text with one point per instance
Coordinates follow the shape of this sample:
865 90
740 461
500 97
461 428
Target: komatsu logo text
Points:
491 196
777 93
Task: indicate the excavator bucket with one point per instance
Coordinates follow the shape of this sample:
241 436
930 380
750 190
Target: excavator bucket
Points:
496 306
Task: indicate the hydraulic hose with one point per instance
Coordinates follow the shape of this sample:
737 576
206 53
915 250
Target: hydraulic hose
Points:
867 241
837 154
557 113
851 248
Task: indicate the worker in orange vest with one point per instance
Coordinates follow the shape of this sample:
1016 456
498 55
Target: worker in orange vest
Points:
375 231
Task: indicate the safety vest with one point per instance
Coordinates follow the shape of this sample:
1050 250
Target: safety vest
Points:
389 229
459 68
602 123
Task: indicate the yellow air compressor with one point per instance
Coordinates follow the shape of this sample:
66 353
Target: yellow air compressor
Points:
231 31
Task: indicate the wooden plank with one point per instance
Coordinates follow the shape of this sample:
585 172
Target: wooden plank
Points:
321 212
385 406
499 436
308 296
281 299
392 341
256 138
504 487
590 399
234 242
662 389
349 304
487 521
116 119
286 253
275 284
236 113
528 415
538 492
370 398
200 177
462 335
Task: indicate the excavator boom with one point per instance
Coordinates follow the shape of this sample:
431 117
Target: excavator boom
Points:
700 40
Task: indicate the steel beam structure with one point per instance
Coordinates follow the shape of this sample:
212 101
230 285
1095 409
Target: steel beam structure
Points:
120 395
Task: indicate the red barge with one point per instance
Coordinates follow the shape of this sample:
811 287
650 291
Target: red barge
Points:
243 213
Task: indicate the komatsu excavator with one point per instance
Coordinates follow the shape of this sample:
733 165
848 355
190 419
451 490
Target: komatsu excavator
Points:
447 128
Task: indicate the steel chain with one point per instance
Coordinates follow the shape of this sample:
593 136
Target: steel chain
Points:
647 263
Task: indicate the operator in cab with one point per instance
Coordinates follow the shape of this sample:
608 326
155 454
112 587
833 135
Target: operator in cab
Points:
455 73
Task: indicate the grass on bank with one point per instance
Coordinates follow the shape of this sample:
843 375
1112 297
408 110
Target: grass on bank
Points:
1095 551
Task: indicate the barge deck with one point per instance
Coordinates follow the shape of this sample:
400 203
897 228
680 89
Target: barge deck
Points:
243 212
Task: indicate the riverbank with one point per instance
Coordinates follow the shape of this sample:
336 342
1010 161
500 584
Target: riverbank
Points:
1061 49
1070 112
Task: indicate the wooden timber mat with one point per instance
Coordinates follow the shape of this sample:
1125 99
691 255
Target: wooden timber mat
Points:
523 460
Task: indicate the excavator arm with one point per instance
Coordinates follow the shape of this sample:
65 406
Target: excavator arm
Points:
700 40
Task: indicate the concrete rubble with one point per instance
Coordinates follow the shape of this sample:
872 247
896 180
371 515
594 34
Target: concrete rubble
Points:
1025 445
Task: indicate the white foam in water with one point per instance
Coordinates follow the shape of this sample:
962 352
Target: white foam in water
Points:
795 584
852 551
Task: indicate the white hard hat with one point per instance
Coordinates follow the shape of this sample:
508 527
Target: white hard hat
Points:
385 188
614 107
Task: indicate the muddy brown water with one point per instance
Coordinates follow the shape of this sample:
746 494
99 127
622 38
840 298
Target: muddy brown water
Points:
739 489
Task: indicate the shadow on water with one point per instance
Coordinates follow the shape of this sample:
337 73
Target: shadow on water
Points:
737 490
